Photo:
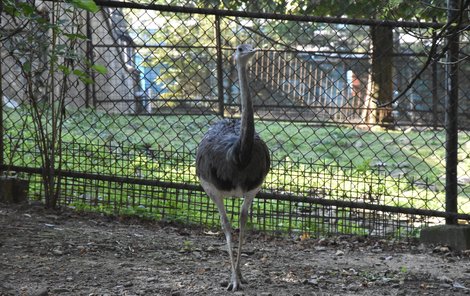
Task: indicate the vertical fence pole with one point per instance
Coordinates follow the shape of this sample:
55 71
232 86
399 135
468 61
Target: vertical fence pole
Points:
451 120
88 56
2 159
434 82
434 94
220 78
90 89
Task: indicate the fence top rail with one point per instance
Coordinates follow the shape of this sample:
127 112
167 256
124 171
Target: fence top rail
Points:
266 15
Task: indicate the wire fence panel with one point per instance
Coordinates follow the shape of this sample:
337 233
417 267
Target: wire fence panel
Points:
345 159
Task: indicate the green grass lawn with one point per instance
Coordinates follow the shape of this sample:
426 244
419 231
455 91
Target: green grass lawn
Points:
397 168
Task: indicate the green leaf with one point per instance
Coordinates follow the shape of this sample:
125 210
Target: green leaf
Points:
88 5
26 66
27 9
100 68
10 7
64 69
86 80
79 73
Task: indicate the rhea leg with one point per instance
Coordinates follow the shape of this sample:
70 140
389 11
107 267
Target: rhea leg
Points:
235 283
243 218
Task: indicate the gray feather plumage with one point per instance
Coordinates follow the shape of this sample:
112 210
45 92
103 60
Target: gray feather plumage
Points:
218 162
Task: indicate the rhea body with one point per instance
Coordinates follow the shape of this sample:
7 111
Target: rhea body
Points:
233 161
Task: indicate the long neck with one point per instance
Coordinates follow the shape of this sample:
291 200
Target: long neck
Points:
247 131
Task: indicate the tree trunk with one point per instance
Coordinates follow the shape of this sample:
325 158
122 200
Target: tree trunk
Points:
380 82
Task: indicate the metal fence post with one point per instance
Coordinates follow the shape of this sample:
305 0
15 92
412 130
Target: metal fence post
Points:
220 78
88 54
90 89
2 160
434 83
451 118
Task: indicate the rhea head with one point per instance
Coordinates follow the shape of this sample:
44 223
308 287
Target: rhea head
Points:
244 53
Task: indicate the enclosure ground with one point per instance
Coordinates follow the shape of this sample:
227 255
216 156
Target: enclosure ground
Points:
69 253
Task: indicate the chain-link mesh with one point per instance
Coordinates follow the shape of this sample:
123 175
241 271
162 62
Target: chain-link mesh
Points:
343 159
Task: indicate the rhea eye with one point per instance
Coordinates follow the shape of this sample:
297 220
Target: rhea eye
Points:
240 49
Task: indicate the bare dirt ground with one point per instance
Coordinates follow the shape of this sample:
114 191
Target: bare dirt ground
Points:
69 253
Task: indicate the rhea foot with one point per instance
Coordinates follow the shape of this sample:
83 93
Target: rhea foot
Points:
234 286
236 283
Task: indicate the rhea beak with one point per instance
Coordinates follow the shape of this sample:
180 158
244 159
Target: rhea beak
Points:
254 49
251 53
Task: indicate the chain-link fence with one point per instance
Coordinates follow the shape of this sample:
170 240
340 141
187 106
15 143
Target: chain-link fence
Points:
352 109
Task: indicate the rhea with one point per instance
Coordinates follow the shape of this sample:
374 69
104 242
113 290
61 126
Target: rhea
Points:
233 161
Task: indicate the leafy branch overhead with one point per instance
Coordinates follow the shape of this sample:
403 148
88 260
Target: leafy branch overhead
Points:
26 15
